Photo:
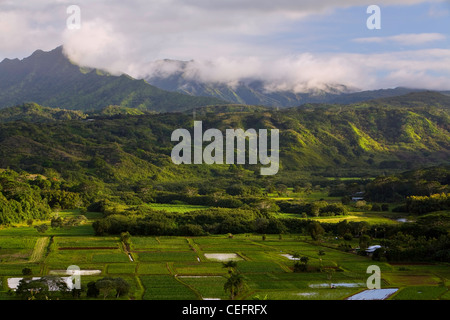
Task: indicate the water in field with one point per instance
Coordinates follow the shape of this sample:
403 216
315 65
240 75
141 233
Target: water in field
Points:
337 285
290 257
222 256
78 272
306 294
374 294
13 283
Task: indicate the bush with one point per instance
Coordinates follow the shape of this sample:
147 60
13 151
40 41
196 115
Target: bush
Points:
376 207
348 237
191 230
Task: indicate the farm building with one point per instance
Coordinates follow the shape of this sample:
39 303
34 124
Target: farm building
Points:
370 250
358 196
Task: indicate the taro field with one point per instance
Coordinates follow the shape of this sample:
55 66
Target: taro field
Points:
191 268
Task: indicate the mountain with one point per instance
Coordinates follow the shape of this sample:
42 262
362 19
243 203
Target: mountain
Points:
369 138
32 112
254 92
51 79
250 92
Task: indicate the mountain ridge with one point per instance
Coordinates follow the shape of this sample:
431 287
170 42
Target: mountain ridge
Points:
179 78
119 146
51 79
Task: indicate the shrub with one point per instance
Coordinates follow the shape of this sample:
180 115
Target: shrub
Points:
348 237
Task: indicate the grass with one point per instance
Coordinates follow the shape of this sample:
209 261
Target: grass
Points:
207 287
121 268
168 267
165 287
153 268
421 293
39 249
167 256
175 207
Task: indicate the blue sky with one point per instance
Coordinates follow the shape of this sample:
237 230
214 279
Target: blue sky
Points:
289 44
335 31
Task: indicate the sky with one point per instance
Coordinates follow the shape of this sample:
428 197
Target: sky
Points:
289 44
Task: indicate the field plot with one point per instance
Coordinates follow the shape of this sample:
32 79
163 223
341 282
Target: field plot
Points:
121 268
209 287
168 256
16 249
165 287
159 244
83 250
152 268
78 243
39 249
223 257
259 267
306 294
421 293
375 294
16 269
226 245
413 278
175 207
172 268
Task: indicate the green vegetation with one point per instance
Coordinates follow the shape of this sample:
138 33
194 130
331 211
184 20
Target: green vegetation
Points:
168 268
50 79
104 195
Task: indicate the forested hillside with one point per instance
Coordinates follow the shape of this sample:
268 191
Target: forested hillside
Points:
327 140
52 80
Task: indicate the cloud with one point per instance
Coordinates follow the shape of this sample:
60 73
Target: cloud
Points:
229 40
410 39
428 69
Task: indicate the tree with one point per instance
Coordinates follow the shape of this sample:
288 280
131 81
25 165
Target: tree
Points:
125 237
56 222
321 253
122 287
234 285
41 228
32 289
92 290
105 286
39 289
231 265
364 241
27 272
304 260
315 230
301 265
281 189
330 272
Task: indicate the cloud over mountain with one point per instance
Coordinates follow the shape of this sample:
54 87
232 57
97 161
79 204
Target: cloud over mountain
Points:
228 41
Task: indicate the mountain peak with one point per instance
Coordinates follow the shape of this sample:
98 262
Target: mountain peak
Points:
51 79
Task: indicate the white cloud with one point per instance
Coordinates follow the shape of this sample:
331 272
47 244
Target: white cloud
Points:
405 39
127 36
429 69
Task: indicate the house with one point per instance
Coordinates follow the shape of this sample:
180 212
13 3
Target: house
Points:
370 250
358 196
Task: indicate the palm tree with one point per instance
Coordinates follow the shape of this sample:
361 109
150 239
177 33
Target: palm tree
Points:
234 285
321 253
230 265
304 260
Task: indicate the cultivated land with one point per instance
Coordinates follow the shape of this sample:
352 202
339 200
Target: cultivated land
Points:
179 268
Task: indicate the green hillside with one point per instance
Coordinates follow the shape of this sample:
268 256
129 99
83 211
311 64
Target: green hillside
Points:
50 79
32 112
322 140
